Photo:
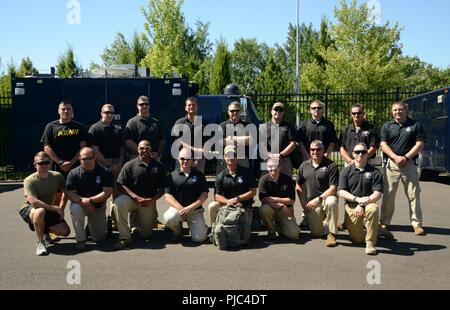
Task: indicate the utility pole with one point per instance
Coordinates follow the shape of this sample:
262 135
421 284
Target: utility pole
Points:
297 71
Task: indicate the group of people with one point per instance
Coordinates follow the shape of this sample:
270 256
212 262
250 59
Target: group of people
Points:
88 167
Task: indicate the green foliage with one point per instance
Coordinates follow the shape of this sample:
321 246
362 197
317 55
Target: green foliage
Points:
26 68
248 62
220 71
66 66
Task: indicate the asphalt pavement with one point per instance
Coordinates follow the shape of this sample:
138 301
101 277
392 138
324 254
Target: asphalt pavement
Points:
408 262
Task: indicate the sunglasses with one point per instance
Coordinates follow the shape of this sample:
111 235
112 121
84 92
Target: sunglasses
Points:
234 111
360 152
278 110
108 112
184 159
143 104
271 168
357 113
316 108
87 158
315 150
43 163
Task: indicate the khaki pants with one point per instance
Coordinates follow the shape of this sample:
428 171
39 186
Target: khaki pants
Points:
410 179
196 223
246 223
96 222
276 219
145 217
326 213
355 225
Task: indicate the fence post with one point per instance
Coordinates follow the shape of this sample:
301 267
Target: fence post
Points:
397 94
326 102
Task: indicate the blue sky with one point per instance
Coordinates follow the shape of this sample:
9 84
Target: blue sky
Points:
39 29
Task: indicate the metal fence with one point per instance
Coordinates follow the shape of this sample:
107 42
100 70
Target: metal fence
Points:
5 132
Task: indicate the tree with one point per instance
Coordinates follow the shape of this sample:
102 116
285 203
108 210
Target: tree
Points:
173 46
26 68
220 72
248 62
364 55
118 52
66 66
272 79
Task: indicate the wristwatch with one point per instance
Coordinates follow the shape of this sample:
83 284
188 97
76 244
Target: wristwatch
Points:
238 198
60 162
91 200
320 199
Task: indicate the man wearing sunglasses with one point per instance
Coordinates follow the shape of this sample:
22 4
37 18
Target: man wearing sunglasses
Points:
141 183
235 185
317 182
277 196
361 185
317 128
39 210
281 145
107 141
234 133
402 139
186 191
358 131
63 139
144 127
88 187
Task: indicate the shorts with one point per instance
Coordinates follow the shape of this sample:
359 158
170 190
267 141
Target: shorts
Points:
50 219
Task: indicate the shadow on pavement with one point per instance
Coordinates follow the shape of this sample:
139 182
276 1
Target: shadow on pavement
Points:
428 230
7 187
405 248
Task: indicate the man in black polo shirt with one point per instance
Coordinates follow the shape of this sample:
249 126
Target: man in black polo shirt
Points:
141 183
361 185
277 196
88 188
235 185
358 131
144 127
284 138
316 187
190 129
63 139
186 191
235 132
402 139
317 128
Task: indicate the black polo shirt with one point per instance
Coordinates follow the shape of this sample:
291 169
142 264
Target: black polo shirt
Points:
324 131
64 139
284 187
142 179
366 134
286 134
89 183
139 128
402 138
108 138
229 186
361 183
186 189
196 130
319 179
238 131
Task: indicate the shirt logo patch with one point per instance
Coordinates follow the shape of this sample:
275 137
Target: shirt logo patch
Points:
155 170
284 187
240 180
408 129
323 168
365 133
194 179
98 180
367 175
